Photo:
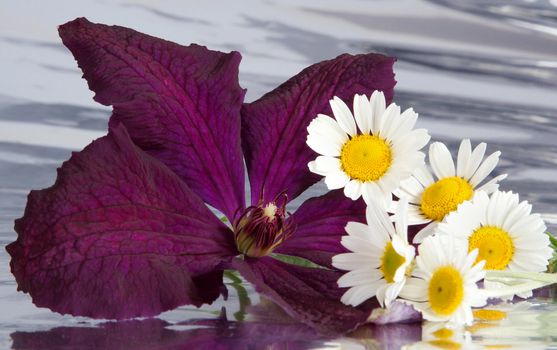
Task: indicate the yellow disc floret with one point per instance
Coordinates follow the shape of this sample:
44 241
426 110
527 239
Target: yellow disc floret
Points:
495 247
444 196
445 290
365 157
390 262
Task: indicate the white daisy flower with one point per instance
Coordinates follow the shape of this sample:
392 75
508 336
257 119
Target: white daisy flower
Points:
444 286
432 200
506 233
380 258
368 153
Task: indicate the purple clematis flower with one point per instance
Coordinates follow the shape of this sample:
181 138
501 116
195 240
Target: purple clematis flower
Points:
125 230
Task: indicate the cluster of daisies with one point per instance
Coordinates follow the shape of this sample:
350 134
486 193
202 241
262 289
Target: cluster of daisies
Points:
465 226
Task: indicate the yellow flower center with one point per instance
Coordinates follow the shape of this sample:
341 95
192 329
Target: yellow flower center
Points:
444 196
446 290
489 315
495 247
390 262
365 157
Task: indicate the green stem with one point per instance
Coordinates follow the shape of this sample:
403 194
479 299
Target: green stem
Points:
242 293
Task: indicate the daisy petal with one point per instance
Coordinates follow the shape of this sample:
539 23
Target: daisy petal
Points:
343 116
441 160
463 158
363 113
337 179
475 160
485 168
378 105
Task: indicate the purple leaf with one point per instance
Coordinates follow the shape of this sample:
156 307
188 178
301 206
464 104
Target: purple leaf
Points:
320 224
274 127
118 235
309 295
181 104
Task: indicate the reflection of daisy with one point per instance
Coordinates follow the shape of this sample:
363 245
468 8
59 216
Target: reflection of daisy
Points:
431 200
370 162
381 255
504 231
438 335
444 287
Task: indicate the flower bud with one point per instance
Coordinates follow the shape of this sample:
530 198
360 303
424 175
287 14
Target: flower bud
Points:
260 229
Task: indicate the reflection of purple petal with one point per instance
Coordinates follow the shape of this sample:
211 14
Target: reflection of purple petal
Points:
118 235
309 295
274 127
320 224
156 334
180 104
390 336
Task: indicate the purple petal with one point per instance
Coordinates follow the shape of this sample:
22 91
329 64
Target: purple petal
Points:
320 224
118 235
396 313
309 295
180 104
274 127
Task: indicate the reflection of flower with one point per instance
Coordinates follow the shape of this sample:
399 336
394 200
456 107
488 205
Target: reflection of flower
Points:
380 257
367 153
439 335
444 284
125 230
431 200
157 334
504 231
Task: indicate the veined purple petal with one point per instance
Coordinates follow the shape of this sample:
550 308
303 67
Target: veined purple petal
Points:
320 224
274 127
179 104
118 235
309 295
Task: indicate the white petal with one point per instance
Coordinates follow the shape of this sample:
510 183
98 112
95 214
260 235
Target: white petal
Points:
378 218
485 169
407 122
325 136
377 102
324 165
475 160
441 160
357 295
343 116
423 175
390 121
414 289
363 113
392 292
463 158
359 277
412 188
354 261
401 219
335 180
353 189
425 232
492 185
373 194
